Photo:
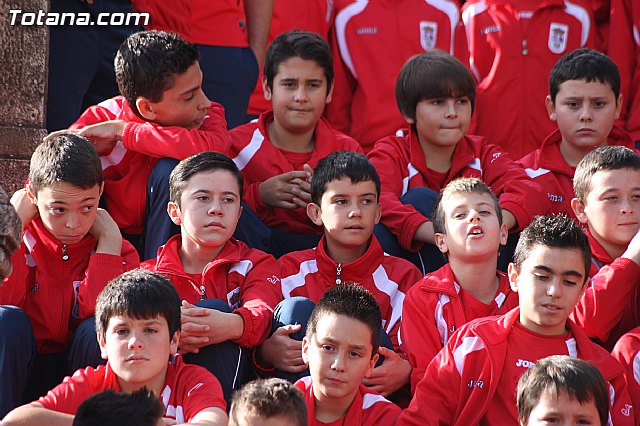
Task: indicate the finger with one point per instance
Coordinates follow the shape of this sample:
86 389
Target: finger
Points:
296 174
298 368
299 202
195 312
192 328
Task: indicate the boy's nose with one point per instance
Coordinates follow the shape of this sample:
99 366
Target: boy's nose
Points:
451 109
215 207
474 215
585 114
135 342
301 94
338 363
355 212
72 221
205 102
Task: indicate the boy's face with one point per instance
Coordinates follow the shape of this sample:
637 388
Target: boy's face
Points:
348 211
473 230
585 113
611 208
549 284
66 210
209 209
138 351
299 94
339 357
441 123
561 410
184 104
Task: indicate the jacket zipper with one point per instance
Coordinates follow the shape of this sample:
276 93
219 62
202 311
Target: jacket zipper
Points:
338 272
65 256
203 292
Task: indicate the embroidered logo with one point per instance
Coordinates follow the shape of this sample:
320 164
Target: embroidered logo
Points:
366 30
196 387
34 289
428 34
490 29
626 411
558 34
495 156
233 298
475 384
524 363
273 279
555 198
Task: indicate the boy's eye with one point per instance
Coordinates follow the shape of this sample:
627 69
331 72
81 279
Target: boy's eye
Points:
354 354
288 84
570 283
122 332
572 104
87 209
58 210
460 215
341 201
485 212
203 198
327 348
463 101
315 85
150 330
541 277
611 198
228 200
437 101
367 201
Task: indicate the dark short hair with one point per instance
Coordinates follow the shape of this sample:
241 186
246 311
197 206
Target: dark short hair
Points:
584 64
68 158
604 158
341 164
107 408
208 161
148 62
558 374
268 398
353 301
557 231
432 75
298 44
139 294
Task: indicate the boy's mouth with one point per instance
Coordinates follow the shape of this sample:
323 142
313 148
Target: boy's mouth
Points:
476 230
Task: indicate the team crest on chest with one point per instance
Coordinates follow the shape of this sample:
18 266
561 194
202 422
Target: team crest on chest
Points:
428 34
558 34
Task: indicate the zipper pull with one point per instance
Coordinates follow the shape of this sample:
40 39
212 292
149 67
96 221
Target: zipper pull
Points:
338 272
203 292
525 49
65 256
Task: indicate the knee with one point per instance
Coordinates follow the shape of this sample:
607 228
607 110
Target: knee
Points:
423 199
294 310
217 304
161 171
15 326
86 330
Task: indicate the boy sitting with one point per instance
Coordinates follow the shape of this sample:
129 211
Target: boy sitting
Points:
627 352
70 250
138 326
607 202
436 93
268 402
162 112
563 390
234 287
277 153
469 231
473 379
584 100
344 192
341 349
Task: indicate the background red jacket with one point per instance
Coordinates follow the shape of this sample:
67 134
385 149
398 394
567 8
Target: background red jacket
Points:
627 352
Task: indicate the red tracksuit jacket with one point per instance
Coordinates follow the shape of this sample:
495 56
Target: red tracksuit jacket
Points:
129 164
462 379
371 42
511 55
57 294
547 167
401 164
258 159
627 352
247 279
433 311
310 273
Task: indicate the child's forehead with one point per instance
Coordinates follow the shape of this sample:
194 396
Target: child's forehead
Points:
213 180
456 199
290 67
130 320
65 191
344 184
593 87
608 179
341 327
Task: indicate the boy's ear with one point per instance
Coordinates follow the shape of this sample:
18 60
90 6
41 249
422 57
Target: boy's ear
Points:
330 93
504 234
378 212
512 274
174 342
145 108
103 345
372 365
551 108
173 209
101 188
266 89
315 213
408 119
32 196
441 242
578 208
305 350
618 105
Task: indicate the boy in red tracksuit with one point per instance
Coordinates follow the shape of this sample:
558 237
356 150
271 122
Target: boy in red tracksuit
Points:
370 43
277 153
584 100
473 379
341 349
70 250
436 93
627 352
624 50
162 113
344 191
513 44
469 232
138 327
607 202
228 289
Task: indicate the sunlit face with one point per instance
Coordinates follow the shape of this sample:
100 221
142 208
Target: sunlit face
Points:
339 357
472 227
138 351
549 284
299 95
441 123
585 113
612 208
561 410
209 209
184 104
66 210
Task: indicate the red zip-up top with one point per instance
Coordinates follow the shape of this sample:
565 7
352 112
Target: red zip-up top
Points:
627 352
610 305
368 407
462 379
56 294
548 168
513 44
129 164
624 50
401 164
371 42
433 310
309 273
247 279
259 159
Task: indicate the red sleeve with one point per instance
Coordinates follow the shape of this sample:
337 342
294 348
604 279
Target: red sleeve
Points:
627 352
103 268
607 297
621 412
622 49
92 115
68 395
260 293
200 390
14 288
